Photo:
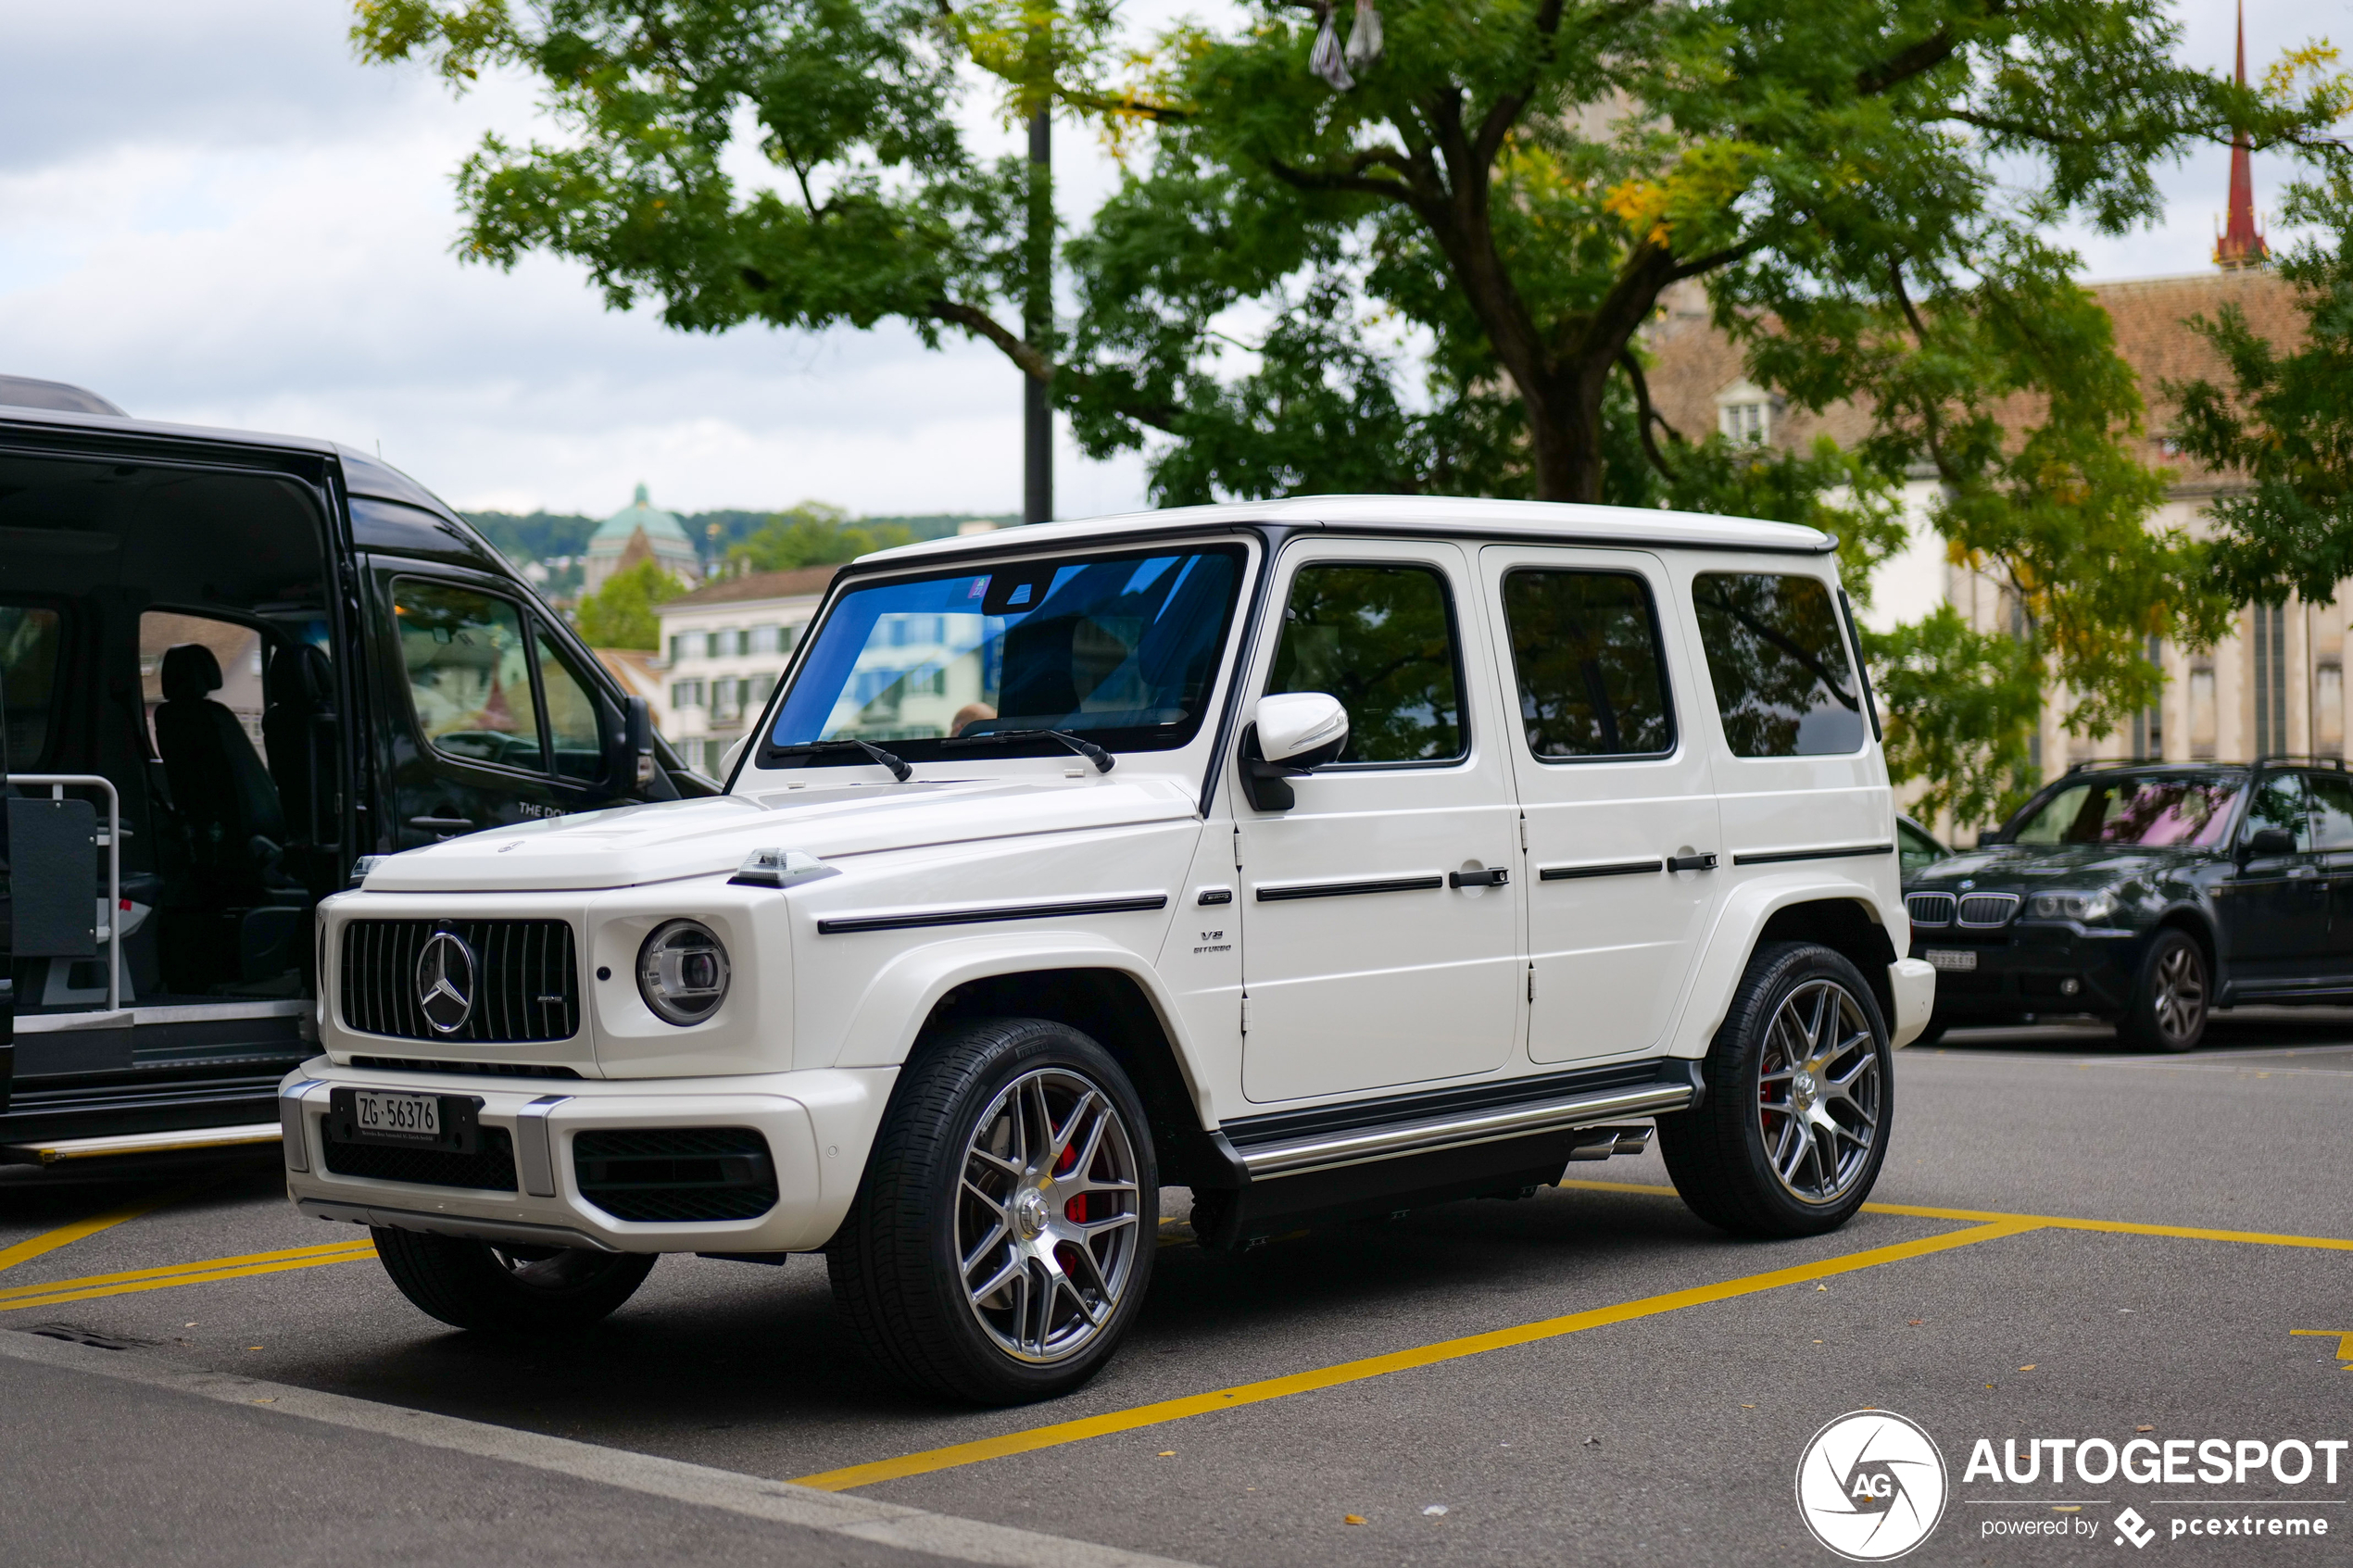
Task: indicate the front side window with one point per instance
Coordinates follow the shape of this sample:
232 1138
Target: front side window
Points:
1381 639
2280 803
1783 683
572 729
2151 811
1120 649
469 668
1585 649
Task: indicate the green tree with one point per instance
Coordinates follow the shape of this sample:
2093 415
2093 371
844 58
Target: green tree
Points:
621 614
2282 419
811 534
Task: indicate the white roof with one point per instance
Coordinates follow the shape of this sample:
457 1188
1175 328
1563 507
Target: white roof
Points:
1430 514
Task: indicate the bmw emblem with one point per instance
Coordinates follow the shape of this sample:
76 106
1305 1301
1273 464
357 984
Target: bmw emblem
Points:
446 982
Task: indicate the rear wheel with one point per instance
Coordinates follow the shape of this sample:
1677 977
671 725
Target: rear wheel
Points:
1005 1234
2169 996
1791 1134
518 1290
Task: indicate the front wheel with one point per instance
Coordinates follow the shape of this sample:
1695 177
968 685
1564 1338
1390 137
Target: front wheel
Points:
2169 996
1005 1234
511 1290
1792 1131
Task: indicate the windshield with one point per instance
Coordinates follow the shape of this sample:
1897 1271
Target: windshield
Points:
1120 649
2150 810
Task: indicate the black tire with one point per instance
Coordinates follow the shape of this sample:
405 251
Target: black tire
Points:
2170 996
897 1261
521 1290
1719 1154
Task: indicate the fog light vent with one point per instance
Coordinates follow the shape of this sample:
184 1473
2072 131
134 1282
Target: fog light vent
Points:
676 1173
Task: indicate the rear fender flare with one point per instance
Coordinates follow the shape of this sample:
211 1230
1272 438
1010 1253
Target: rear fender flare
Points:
1734 937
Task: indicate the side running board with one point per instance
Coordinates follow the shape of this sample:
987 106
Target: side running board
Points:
1362 1145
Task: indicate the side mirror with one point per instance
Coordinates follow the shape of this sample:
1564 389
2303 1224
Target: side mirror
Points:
630 767
1290 734
2271 841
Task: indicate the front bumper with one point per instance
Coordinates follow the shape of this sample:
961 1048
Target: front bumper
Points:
2034 967
816 1126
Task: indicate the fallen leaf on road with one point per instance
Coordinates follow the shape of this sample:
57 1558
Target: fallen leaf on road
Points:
1435 1510
2145 1429
1353 1519
2028 1367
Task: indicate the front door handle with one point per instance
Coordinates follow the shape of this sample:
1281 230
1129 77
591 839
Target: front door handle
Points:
1692 862
442 824
1492 876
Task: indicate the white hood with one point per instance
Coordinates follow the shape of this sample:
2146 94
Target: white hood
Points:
630 846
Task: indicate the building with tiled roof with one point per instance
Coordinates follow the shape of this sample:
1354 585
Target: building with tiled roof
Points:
2277 685
723 648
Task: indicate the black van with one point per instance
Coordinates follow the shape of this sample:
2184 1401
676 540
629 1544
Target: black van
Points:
232 665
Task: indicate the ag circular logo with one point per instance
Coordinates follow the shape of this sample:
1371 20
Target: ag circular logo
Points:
1870 1485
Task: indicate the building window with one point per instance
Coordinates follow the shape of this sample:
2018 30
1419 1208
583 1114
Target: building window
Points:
2204 727
2270 648
2328 711
687 693
1745 412
727 700
762 639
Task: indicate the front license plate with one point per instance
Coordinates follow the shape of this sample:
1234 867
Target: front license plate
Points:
378 1113
1951 958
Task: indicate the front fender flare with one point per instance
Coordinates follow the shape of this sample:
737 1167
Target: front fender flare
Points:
888 1017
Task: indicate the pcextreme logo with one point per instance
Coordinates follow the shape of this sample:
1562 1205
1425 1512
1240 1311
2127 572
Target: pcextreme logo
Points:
1870 1485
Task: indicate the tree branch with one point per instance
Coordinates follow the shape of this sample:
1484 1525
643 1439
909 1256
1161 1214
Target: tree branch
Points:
1645 415
1037 366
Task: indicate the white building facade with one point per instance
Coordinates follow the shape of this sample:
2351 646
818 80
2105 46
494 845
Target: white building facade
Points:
723 648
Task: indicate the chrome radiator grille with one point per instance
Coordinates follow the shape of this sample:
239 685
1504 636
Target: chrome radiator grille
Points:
523 986
1929 908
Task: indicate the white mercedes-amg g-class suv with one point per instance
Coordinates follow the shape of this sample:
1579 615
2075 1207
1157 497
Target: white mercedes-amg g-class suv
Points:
1328 857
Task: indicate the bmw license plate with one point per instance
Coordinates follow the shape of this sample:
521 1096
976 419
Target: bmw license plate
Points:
1957 958
378 1113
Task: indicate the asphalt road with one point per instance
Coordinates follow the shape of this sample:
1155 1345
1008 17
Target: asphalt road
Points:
1590 1375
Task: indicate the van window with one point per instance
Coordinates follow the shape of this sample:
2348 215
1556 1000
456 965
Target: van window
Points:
27 681
1380 639
1585 649
468 673
571 717
236 649
1783 683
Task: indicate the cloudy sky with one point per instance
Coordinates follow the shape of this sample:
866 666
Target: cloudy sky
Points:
214 215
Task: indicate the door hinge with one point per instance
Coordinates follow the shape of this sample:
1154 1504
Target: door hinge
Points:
1532 982
1523 832
1245 1012
1238 847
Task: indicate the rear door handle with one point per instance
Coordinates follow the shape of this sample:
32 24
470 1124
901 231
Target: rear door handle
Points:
1492 876
1692 862
442 824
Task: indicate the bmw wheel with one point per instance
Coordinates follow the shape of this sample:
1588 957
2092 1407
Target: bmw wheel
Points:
2169 998
1792 1129
1005 1234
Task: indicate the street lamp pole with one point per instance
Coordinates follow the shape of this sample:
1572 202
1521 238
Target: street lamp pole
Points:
1038 327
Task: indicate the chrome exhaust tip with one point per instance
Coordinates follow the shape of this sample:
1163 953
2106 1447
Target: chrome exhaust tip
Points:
1600 1143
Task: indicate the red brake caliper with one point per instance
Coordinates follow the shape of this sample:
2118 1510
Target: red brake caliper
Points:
1079 1210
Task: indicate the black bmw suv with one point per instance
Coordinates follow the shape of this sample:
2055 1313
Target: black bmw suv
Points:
2148 894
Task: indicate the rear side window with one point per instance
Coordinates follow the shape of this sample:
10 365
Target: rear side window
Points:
27 681
1380 639
1782 680
2331 811
1585 649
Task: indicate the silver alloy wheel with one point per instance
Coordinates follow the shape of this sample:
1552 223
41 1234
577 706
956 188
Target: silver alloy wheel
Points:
1047 1226
2177 993
1819 1092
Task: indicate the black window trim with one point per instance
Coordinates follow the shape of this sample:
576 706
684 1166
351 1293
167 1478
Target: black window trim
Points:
1467 756
1658 648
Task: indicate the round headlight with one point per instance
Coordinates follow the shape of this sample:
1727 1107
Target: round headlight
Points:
682 972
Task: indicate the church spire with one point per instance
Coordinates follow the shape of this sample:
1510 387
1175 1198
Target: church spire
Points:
2241 244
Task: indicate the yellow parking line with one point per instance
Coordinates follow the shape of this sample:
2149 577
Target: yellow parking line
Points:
2046 1222
49 1241
1401 1360
131 1281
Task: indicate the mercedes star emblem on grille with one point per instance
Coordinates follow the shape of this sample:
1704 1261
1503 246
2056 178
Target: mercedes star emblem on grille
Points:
446 982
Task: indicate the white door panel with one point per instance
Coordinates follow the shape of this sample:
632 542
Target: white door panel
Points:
1363 965
1612 933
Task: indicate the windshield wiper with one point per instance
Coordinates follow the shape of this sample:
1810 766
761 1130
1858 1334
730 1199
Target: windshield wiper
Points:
1104 761
897 765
